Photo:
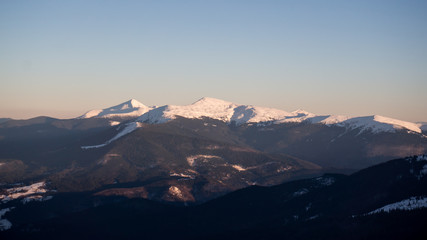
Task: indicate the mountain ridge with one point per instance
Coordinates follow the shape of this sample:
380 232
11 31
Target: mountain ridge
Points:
248 114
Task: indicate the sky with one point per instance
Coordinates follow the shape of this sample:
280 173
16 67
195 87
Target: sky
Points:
355 58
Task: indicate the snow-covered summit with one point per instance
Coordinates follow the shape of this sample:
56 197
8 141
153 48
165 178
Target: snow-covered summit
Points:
375 123
131 108
215 109
379 123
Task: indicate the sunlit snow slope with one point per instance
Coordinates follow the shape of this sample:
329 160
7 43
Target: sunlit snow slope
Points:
131 108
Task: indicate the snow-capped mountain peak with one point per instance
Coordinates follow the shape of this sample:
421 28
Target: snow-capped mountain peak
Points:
133 103
208 101
130 108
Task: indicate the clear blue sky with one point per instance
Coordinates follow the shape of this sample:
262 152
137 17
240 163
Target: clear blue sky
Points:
62 58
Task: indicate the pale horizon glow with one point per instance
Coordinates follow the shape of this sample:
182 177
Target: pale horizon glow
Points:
355 58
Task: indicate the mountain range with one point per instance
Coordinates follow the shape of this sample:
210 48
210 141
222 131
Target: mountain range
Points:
197 152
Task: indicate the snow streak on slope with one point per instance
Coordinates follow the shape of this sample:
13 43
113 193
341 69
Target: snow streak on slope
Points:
129 127
407 204
131 108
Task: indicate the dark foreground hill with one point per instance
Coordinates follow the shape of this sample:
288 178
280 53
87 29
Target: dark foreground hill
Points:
381 202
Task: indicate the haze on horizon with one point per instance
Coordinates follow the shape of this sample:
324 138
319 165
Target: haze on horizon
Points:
353 58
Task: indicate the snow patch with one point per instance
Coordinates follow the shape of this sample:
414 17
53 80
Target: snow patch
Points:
129 127
326 181
421 158
3 212
38 198
239 168
93 146
18 192
175 191
407 204
300 192
181 175
114 123
284 169
191 159
423 172
4 223
213 147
